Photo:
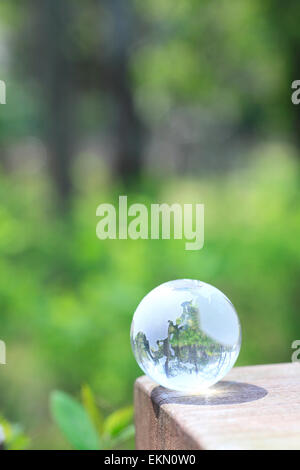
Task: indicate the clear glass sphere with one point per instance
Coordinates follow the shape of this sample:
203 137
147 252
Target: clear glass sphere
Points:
186 335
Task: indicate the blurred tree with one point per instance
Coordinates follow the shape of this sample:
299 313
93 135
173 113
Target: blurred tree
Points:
55 61
213 57
43 53
129 130
65 68
285 25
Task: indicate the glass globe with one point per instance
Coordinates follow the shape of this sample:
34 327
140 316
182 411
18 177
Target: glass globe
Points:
185 335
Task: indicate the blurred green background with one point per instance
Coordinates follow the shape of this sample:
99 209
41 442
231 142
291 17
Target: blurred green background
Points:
164 101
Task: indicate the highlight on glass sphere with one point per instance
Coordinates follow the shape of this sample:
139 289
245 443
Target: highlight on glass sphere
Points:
186 335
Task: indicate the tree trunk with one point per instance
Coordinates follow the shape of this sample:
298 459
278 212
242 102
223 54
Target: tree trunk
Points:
57 92
129 130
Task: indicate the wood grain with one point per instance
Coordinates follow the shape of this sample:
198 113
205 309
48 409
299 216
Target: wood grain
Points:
256 407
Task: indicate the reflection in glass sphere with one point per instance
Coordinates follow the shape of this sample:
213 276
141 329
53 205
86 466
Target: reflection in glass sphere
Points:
186 335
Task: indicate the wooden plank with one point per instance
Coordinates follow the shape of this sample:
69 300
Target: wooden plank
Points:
256 407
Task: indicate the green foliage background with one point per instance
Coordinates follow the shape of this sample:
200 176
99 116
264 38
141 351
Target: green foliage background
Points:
67 298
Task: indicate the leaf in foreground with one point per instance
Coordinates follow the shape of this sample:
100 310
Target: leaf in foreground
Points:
117 421
74 422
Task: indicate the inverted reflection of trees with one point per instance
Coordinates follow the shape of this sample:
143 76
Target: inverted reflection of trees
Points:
186 349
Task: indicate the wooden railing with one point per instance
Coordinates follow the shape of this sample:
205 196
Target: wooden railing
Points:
256 407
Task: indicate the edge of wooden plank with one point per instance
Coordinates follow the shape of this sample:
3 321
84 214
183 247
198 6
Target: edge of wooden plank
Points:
160 426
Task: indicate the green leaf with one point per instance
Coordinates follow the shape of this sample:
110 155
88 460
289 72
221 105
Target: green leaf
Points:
117 421
123 436
7 428
92 409
15 439
19 442
74 422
